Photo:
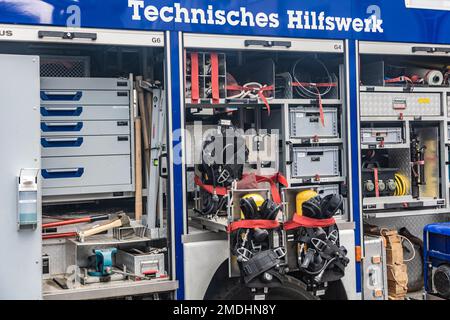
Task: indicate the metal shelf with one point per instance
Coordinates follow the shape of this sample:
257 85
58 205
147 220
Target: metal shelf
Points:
224 103
218 224
297 181
386 146
404 213
51 291
99 240
296 141
401 89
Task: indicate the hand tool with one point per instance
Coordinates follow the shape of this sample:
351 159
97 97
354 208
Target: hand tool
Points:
102 262
121 221
69 222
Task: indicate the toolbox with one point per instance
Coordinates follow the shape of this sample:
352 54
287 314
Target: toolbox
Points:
381 135
388 104
141 263
374 269
313 161
305 122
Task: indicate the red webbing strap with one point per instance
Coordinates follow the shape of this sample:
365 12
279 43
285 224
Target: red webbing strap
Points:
302 221
259 92
399 79
278 178
195 92
375 177
220 191
322 115
273 180
252 224
215 77
316 86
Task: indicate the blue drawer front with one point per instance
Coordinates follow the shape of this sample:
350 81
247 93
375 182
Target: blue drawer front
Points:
61 174
61 96
61 143
61 112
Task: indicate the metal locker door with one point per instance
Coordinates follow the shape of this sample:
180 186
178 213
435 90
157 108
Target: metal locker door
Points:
20 248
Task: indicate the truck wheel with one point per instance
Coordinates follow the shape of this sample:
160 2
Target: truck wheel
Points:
293 289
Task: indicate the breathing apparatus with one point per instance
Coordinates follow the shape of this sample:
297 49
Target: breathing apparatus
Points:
319 254
223 158
258 254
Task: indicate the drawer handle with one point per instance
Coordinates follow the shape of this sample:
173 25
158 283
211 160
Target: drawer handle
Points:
61 96
62 173
61 126
61 143
61 112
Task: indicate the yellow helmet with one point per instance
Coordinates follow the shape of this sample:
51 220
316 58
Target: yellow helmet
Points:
301 197
259 200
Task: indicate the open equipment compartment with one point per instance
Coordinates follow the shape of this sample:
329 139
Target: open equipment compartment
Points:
403 108
287 101
90 90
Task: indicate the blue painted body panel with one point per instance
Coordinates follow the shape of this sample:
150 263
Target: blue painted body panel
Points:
399 23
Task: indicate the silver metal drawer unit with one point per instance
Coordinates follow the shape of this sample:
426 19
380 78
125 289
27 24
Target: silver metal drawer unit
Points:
309 162
86 136
305 122
387 104
378 135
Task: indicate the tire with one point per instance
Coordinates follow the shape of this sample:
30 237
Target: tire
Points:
292 289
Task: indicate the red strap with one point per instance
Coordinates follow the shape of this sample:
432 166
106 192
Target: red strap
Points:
375 177
220 191
215 77
278 178
273 180
195 92
316 86
259 91
302 221
399 79
252 224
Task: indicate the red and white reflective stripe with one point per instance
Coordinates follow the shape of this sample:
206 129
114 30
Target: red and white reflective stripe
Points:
252 224
195 91
215 77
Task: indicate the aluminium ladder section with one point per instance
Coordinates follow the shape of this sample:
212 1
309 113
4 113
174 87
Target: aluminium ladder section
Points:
154 184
